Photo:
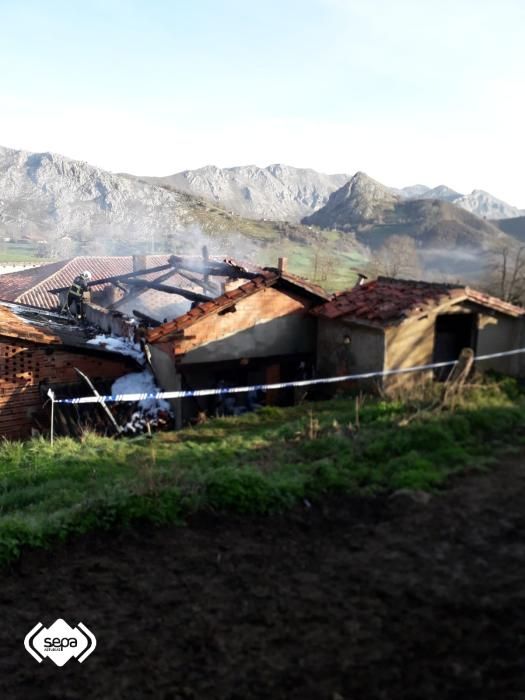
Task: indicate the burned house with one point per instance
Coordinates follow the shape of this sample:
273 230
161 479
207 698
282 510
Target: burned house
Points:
232 324
206 323
38 286
392 324
40 350
255 333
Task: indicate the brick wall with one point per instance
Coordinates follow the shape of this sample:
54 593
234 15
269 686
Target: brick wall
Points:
23 367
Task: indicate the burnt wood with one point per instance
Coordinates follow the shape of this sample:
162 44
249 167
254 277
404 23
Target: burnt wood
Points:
117 278
169 289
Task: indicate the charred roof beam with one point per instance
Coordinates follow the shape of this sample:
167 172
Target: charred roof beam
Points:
214 269
117 278
169 289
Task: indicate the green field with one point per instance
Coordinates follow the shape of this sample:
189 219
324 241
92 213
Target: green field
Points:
327 257
260 462
19 252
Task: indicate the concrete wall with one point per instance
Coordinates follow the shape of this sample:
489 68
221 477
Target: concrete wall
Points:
364 353
496 334
168 379
408 345
268 323
412 342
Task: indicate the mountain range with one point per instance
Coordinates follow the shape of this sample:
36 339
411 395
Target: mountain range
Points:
282 192
373 212
276 192
449 238
70 207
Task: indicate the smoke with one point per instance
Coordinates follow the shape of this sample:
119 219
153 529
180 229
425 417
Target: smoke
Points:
460 264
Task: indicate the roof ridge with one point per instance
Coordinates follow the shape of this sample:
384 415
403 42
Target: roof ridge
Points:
475 294
402 280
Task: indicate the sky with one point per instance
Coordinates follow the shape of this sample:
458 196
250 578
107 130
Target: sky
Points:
412 91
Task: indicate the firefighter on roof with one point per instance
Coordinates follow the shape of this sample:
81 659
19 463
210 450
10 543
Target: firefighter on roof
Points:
73 304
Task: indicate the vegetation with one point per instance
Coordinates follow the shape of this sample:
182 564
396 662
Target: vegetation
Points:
327 257
397 257
259 462
506 273
15 251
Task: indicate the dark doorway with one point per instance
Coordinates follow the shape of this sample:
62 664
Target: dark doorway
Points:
453 333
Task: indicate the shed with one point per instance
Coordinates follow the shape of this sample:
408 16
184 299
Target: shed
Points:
389 324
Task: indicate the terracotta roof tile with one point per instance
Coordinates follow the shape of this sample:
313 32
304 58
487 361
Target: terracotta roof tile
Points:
387 301
32 286
266 279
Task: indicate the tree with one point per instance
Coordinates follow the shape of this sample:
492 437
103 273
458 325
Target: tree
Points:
397 257
505 276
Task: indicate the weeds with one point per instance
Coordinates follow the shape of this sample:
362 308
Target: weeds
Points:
259 462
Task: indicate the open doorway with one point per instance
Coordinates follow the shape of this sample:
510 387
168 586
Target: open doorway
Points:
453 333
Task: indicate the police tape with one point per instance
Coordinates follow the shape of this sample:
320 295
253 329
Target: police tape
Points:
186 393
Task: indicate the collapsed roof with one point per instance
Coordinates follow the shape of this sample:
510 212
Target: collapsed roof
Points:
268 277
152 292
43 327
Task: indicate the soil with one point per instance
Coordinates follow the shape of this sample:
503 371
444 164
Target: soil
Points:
344 599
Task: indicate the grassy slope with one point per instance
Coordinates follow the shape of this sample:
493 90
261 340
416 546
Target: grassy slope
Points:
514 227
255 463
14 252
323 256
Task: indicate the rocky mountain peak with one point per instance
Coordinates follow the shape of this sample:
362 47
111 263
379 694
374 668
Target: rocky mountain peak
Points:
486 205
358 201
277 191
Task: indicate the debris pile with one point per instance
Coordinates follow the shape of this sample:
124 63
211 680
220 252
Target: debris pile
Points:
147 413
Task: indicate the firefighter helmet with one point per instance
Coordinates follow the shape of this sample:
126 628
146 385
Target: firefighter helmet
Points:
86 275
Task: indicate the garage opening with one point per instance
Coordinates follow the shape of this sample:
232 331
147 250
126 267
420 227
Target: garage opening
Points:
453 333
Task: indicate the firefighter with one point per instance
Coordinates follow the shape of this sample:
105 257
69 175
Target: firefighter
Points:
75 295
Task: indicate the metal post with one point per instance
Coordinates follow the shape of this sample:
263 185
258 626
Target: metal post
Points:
51 395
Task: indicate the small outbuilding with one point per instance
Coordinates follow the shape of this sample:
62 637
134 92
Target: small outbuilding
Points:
389 324
258 332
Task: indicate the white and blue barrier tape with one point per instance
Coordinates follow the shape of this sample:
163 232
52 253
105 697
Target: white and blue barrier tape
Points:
266 387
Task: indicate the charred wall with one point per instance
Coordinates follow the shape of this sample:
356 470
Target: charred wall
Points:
24 368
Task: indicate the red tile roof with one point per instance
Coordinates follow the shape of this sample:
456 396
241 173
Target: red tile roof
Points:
387 301
32 286
269 277
14 284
